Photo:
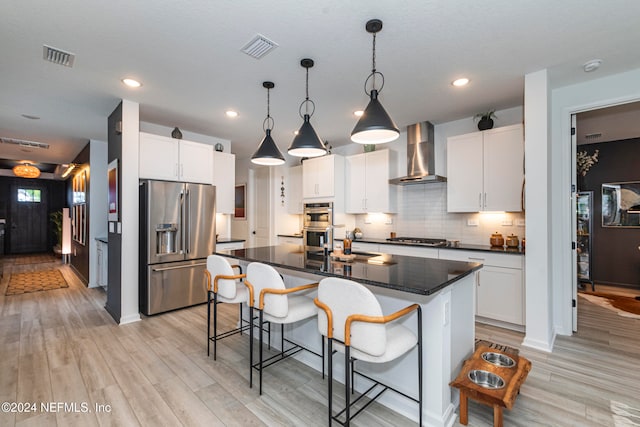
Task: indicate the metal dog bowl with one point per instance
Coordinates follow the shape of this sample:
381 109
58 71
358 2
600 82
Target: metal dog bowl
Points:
498 359
486 379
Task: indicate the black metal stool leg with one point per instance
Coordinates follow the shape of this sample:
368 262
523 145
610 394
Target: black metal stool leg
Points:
215 325
282 339
420 364
208 322
260 344
330 380
347 386
251 347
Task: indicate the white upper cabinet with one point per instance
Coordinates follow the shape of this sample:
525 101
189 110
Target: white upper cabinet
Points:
320 175
224 178
368 188
175 159
294 203
485 170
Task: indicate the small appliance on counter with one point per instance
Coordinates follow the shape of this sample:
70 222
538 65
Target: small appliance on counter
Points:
496 239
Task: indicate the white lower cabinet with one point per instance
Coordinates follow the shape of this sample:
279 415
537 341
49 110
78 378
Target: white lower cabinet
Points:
227 246
500 292
364 247
417 251
290 240
102 251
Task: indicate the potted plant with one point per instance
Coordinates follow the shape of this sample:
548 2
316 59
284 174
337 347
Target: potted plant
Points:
56 222
485 120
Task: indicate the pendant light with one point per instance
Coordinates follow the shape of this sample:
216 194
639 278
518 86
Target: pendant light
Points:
26 170
375 126
306 142
268 153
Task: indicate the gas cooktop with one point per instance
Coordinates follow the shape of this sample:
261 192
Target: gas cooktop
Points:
419 241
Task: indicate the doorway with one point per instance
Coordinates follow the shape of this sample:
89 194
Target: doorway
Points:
605 148
28 221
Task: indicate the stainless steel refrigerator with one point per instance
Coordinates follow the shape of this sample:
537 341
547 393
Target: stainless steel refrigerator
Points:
177 233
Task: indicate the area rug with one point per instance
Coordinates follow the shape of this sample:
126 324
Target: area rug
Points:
34 259
624 306
22 283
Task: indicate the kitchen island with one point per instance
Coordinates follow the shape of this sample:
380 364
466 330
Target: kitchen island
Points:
445 291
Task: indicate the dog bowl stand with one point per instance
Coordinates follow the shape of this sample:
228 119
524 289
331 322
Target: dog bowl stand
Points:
497 398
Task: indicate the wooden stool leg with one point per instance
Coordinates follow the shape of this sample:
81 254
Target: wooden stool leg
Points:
497 416
464 408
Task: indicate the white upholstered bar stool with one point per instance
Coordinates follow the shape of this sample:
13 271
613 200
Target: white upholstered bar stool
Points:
351 319
279 305
224 286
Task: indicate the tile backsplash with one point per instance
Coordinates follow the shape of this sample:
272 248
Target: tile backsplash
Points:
422 212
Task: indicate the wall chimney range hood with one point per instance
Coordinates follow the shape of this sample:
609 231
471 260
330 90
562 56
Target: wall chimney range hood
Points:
420 156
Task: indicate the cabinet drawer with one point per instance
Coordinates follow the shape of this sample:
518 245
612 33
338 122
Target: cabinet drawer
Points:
409 251
229 246
364 247
290 240
486 258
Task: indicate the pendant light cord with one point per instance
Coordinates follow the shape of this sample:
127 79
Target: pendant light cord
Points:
268 118
306 107
374 72
373 61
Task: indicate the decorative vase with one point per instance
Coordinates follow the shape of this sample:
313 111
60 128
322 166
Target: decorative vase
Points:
176 133
485 123
219 147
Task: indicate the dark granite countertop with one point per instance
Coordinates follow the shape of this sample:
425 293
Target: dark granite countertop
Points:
229 240
297 236
461 246
403 273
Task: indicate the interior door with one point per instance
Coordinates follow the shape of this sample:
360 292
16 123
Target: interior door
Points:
261 208
28 231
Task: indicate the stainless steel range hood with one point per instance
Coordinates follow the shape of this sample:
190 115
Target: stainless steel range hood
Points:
420 156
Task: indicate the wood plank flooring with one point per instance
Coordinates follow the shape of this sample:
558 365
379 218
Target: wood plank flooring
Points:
62 346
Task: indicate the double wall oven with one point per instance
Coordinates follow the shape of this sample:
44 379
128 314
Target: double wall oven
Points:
317 217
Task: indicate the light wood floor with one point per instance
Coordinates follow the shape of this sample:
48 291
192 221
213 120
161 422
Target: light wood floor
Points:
61 346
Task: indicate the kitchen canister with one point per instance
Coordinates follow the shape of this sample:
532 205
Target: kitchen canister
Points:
496 239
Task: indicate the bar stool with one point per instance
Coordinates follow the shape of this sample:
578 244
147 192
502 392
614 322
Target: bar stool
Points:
227 287
351 318
279 305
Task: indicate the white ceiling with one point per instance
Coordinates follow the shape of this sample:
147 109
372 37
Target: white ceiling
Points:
187 55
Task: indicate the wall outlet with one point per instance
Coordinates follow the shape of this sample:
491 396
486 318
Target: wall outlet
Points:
507 222
472 223
388 220
520 222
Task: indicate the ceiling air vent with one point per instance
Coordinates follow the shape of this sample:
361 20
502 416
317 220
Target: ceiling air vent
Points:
24 143
259 46
592 136
58 56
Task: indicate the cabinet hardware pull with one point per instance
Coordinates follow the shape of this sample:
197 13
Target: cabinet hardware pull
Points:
178 267
485 200
480 200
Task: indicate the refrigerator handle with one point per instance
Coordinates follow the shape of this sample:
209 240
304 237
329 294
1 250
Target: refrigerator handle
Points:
187 223
182 237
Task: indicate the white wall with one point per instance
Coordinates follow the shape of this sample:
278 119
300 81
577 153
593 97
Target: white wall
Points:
129 212
97 204
598 93
540 226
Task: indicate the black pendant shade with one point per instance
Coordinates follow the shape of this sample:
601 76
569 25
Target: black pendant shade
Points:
307 143
375 126
268 153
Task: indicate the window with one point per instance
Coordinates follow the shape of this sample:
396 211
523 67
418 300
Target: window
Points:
28 195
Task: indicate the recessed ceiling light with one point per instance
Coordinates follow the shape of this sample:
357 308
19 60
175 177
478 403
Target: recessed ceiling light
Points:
231 113
358 113
592 65
460 82
131 82
30 117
